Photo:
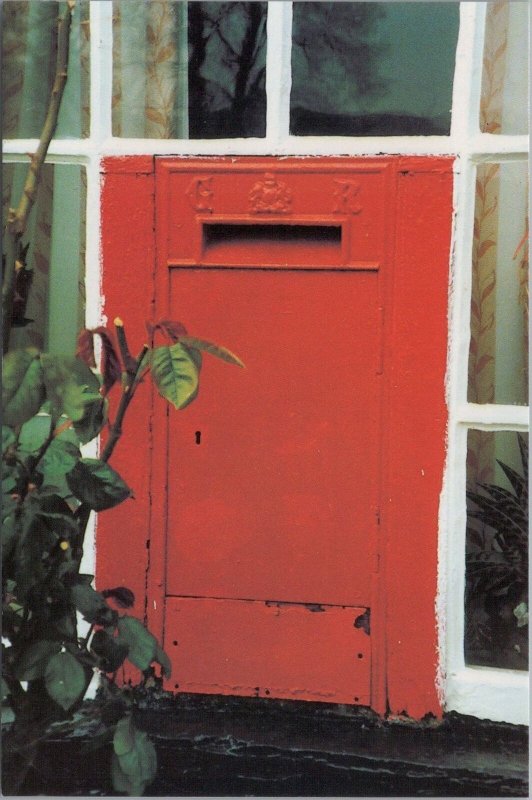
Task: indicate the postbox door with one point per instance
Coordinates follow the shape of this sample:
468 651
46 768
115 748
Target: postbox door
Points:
273 471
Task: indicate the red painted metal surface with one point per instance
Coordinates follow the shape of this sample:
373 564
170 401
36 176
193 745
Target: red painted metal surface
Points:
279 500
123 533
416 421
319 470
287 647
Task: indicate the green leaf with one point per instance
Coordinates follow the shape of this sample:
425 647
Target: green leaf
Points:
134 760
124 738
32 663
96 410
65 679
211 348
162 659
97 484
142 646
59 459
9 531
74 391
91 604
175 371
23 390
56 514
111 652
8 438
45 520
34 433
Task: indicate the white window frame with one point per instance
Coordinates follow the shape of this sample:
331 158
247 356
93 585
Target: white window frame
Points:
480 691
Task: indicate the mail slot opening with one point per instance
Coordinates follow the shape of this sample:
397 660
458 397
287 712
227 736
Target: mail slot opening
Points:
272 244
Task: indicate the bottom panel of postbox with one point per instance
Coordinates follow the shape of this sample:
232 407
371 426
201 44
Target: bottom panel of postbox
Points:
258 648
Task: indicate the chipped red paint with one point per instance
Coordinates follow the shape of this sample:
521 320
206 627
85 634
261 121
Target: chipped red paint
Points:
397 211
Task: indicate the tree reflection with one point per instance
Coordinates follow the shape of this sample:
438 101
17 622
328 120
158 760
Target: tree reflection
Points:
227 68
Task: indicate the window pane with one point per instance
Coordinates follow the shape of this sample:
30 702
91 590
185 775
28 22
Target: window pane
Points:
28 66
504 99
55 307
498 358
370 69
189 70
496 603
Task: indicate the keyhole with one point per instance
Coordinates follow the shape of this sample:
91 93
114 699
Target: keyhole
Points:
198 437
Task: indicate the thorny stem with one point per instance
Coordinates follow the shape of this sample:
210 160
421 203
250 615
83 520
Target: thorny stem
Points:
18 218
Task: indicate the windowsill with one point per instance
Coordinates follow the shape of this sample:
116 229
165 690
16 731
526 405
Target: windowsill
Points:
499 695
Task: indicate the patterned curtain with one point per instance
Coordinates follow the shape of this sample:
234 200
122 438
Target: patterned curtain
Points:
497 99
28 64
150 64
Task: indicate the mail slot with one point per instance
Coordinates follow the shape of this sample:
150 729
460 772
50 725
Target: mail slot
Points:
297 244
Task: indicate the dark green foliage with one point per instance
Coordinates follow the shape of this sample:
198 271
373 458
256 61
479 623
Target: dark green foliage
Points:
97 484
52 405
497 570
23 389
134 760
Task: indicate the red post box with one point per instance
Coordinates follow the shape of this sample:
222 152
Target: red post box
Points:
284 541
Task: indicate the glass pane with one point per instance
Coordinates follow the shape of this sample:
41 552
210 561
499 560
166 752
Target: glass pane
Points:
189 70
496 602
29 33
498 357
50 301
505 87
372 69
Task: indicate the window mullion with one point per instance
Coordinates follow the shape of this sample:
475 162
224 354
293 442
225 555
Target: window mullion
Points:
101 76
468 72
461 277
278 71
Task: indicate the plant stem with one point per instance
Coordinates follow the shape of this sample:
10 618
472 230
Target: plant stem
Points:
17 219
128 393
128 362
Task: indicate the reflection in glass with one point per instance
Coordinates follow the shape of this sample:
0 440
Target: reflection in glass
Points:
368 69
498 357
189 70
505 88
227 69
496 598
28 68
50 305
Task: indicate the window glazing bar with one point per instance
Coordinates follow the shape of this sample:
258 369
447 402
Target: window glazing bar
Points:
493 417
101 69
468 72
278 70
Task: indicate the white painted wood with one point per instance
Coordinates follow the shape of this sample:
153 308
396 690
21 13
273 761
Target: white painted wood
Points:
468 72
101 69
278 71
493 417
499 695
496 694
